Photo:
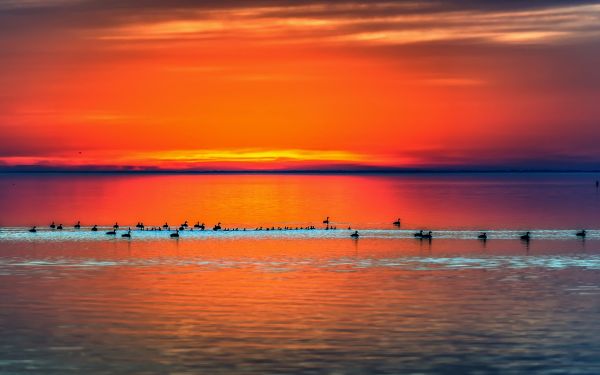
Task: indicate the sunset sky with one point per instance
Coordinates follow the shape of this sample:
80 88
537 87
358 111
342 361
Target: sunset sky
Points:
208 85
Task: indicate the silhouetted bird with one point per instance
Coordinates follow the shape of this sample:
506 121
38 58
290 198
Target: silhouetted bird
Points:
53 225
78 225
581 233
526 236
397 222
427 236
128 234
217 227
33 230
175 235
59 227
326 221
482 236
355 234
165 225
419 234
116 226
95 228
112 232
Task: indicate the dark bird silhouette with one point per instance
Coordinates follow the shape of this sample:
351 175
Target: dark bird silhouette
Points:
526 236
53 226
116 226
78 225
326 221
59 227
217 227
33 230
175 235
427 236
397 222
581 233
197 225
127 235
112 232
419 234
165 225
185 224
95 228
355 234
482 236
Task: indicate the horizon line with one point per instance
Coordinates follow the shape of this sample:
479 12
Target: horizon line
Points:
295 171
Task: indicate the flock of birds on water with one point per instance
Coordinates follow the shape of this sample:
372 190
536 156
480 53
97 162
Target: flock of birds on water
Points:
421 235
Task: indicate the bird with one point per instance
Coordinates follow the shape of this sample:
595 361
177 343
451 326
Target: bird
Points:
185 224
326 221
112 232
165 225
33 230
355 234
397 222
181 227
482 236
176 234
53 225
95 228
427 236
217 227
526 236
128 234
78 225
582 233
116 226
419 234
197 225
59 227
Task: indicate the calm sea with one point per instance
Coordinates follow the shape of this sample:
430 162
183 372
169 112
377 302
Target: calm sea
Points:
311 302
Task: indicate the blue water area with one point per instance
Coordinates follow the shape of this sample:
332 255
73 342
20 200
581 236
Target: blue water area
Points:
85 234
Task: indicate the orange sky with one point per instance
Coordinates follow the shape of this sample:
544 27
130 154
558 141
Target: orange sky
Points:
298 84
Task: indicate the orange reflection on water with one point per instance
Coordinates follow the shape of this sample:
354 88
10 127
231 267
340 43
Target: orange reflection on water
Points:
430 201
256 306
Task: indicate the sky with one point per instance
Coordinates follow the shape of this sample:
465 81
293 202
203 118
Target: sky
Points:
307 84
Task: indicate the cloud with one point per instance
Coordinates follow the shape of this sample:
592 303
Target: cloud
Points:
374 23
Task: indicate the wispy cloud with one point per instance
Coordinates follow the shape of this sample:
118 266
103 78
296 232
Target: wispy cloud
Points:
370 23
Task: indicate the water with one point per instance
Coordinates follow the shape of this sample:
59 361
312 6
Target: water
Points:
477 201
313 302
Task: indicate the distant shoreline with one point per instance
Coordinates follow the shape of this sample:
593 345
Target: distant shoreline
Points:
302 172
